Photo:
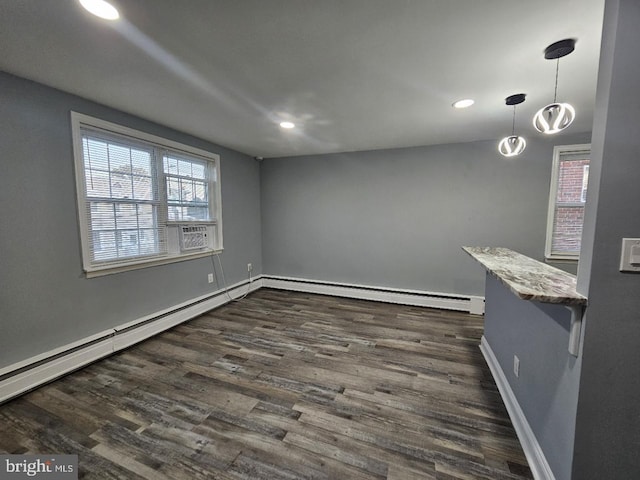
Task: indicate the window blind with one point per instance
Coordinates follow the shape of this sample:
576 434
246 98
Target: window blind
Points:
121 199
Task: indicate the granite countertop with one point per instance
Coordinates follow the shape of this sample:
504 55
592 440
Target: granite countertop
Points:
527 278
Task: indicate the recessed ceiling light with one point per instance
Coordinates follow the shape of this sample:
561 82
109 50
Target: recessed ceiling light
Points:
287 125
465 103
101 9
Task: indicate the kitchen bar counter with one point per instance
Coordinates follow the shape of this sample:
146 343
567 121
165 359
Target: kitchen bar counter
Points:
527 278
531 342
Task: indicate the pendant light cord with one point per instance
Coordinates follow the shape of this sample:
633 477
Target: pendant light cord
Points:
555 92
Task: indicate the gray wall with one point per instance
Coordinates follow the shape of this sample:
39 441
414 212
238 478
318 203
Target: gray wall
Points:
397 218
45 301
608 418
548 384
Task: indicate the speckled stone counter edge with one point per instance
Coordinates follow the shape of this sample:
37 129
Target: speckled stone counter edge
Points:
527 278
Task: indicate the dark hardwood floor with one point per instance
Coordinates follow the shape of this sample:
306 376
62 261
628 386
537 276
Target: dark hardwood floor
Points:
282 385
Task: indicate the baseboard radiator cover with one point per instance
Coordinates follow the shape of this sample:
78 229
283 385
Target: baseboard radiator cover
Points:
533 452
33 372
463 303
23 376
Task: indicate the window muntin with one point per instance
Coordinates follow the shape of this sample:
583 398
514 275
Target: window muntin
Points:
567 198
187 181
135 190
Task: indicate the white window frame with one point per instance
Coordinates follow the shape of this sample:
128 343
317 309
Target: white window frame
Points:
174 252
558 152
585 183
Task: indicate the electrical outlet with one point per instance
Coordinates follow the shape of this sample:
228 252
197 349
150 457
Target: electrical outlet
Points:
516 365
210 278
249 267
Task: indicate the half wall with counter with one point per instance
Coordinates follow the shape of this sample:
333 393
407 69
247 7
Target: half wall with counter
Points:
531 311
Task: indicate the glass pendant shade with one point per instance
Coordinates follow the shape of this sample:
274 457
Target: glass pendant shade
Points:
554 118
512 145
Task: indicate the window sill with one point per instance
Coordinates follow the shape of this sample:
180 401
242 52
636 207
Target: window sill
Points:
112 269
561 260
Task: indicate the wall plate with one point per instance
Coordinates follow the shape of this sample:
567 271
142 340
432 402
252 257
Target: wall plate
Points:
630 255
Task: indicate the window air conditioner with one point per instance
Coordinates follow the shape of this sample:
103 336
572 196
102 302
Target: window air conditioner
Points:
193 237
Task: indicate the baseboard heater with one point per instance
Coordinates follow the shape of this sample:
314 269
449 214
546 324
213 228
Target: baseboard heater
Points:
33 372
28 374
463 303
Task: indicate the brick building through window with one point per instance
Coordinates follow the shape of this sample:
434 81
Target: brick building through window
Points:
567 199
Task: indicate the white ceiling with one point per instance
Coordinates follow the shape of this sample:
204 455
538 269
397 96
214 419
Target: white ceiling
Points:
352 74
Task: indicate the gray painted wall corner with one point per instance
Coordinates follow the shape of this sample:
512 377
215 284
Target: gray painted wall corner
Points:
608 415
45 300
397 218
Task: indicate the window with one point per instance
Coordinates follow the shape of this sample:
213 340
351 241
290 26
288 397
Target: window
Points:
137 192
567 197
187 188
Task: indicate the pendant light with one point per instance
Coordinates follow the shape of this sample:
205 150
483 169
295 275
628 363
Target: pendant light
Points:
555 117
513 144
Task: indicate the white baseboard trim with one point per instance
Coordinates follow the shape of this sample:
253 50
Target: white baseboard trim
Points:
127 335
28 374
532 450
445 301
32 372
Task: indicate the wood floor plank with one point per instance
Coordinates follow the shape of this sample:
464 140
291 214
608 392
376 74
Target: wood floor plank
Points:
344 443
402 472
282 385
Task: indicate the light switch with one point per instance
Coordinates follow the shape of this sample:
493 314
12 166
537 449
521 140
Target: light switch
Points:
630 255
